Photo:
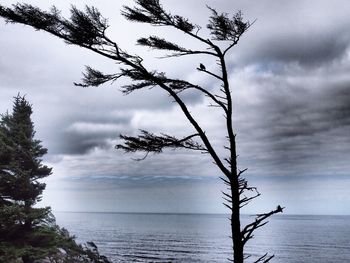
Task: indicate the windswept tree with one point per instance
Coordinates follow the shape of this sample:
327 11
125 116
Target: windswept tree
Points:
88 29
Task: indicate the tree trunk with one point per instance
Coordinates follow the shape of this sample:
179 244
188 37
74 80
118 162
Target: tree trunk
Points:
237 243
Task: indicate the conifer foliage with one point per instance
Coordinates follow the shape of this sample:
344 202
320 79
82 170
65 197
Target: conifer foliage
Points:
88 29
23 227
28 233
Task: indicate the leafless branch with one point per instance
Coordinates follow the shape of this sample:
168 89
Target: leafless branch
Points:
259 222
264 258
210 73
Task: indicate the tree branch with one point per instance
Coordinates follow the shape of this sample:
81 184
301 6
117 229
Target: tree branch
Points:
148 142
152 12
190 52
264 258
259 222
210 73
200 131
176 84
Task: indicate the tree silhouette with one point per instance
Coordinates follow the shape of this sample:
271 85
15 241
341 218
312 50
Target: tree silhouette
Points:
87 29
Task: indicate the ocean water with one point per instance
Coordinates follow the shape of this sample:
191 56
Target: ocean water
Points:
204 238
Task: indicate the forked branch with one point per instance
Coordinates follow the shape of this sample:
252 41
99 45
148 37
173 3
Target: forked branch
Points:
264 258
260 220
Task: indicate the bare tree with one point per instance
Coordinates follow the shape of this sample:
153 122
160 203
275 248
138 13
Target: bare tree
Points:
87 29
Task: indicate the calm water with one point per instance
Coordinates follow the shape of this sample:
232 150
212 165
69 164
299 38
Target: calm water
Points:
204 238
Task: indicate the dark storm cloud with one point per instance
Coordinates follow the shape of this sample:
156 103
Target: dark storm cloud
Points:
301 123
294 118
309 34
75 143
314 113
90 133
305 48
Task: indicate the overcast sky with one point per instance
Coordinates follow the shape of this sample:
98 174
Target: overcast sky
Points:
291 87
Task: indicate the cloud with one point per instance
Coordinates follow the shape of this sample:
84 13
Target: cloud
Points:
306 34
310 49
290 85
292 121
82 137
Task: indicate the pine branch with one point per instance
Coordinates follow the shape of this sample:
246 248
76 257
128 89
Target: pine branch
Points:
152 12
148 142
95 78
224 28
155 42
177 85
141 79
127 89
160 43
189 52
84 27
181 85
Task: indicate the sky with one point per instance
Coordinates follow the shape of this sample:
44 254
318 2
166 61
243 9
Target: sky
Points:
291 91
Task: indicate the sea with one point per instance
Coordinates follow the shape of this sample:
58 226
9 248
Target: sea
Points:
138 237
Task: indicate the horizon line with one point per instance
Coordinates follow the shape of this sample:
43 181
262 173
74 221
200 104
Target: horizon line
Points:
187 213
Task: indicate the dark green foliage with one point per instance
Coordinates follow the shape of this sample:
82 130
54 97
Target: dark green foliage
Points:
21 225
29 233
20 157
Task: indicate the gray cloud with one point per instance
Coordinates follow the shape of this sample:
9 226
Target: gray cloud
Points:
81 137
75 143
305 48
297 123
313 113
308 34
290 87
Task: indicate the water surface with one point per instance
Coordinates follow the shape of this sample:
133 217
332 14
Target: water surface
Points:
204 238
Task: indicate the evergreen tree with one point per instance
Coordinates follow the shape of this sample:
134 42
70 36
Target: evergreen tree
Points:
29 233
25 231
